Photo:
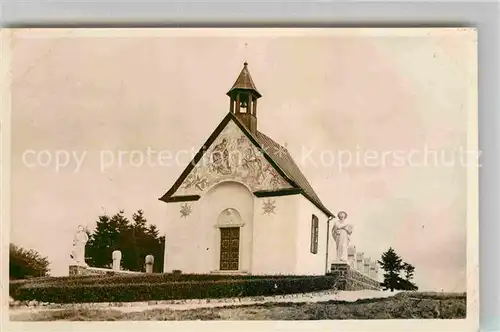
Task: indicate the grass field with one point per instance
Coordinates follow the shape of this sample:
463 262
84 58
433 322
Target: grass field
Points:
401 306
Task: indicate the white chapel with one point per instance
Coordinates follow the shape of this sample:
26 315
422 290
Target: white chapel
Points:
242 206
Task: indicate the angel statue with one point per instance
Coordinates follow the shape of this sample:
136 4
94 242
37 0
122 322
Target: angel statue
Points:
79 242
341 233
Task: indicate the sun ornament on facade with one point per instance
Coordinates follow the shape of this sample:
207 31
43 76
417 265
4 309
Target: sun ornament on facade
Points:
269 206
185 210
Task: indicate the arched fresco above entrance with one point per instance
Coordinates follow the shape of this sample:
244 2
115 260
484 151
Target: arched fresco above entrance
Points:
232 156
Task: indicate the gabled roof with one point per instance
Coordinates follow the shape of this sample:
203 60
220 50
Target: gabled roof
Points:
274 153
244 82
285 161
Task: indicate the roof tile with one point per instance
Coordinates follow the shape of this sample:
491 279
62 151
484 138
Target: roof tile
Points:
284 160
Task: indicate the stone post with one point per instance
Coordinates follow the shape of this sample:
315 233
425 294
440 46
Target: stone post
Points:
373 270
117 259
366 270
351 256
149 263
359 261
376 271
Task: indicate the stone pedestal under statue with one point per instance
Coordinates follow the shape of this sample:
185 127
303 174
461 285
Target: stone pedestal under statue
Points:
350 280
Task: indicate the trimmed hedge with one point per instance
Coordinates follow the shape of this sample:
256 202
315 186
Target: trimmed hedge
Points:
137 278
121 292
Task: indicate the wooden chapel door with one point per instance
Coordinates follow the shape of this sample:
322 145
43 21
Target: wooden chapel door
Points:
229 248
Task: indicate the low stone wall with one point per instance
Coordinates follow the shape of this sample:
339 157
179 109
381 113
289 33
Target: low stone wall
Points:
350 279
76 270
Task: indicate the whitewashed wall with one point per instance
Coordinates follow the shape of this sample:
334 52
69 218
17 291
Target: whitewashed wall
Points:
307 262
228 195
180 231
274 235
193 242
276 242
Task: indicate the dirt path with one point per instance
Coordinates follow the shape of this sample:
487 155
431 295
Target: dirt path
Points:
209 303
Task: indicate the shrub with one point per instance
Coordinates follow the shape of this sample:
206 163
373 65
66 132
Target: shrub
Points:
26 263
146 291
139 278
432 295
15 284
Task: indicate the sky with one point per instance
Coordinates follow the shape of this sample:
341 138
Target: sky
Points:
377 122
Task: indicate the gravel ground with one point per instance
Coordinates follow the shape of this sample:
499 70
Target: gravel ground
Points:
350 296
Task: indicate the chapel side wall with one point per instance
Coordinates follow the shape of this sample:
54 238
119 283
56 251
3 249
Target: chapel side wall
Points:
308 263
184 239
274 236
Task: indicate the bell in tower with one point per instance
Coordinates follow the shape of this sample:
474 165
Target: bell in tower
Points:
243 99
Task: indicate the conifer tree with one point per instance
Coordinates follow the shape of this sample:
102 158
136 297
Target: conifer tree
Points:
102 242
406 281
392 264
135 239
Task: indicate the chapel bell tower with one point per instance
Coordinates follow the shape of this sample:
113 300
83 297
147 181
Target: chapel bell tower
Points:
243 99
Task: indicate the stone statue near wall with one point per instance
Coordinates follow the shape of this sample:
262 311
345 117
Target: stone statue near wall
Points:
80 240
341 233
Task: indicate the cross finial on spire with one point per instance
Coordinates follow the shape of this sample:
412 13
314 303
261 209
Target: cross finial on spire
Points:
246 53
